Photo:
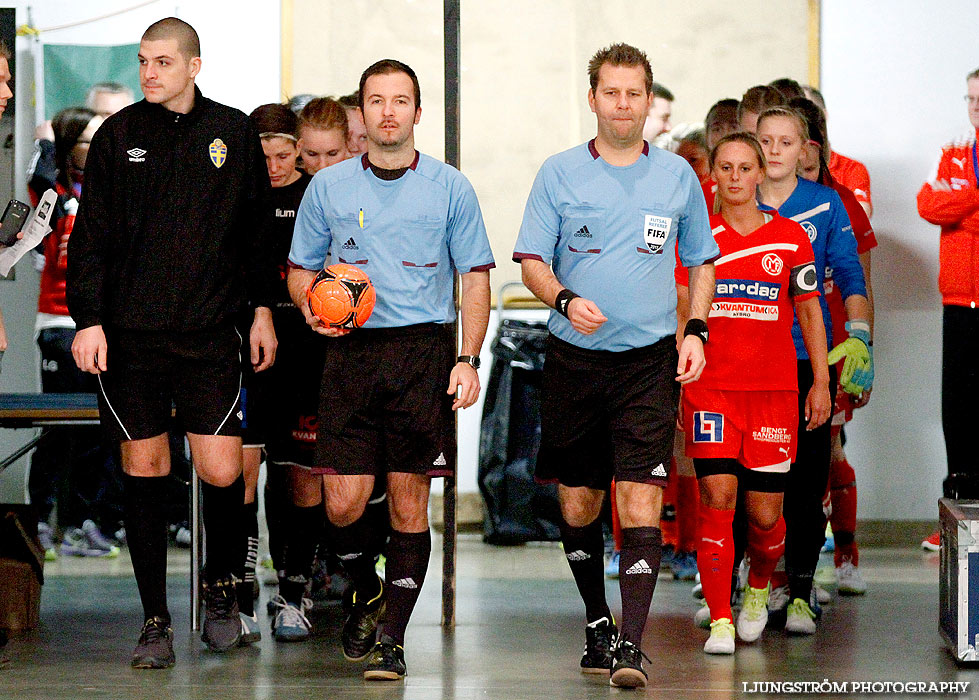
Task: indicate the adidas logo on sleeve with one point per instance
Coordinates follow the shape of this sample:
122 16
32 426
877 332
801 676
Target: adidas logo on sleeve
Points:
405 583
640 567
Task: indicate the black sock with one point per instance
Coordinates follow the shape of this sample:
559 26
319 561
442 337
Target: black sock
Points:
246 571
404 575
223 544
638 569
584 548
304 532
146 534
277 510
352 546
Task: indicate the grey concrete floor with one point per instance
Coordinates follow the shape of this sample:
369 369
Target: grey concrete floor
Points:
519 635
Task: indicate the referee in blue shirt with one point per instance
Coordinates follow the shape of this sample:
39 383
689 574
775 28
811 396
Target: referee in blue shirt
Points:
601 231
386 402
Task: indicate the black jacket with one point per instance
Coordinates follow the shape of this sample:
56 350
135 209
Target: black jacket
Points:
172 225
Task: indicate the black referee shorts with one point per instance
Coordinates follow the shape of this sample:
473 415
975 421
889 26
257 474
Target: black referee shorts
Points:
151 371
607 415
383 403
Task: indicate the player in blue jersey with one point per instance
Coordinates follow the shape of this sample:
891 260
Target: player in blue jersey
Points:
598 244
386 401
782 133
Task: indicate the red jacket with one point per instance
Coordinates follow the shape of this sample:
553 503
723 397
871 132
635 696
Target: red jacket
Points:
957 212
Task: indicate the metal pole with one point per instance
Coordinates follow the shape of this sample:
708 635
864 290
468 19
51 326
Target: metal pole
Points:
196 552
451 49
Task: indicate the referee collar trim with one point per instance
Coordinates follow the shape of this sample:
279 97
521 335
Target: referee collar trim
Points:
594 151
365 163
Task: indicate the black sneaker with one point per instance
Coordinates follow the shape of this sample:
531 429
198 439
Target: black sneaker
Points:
599 640
627 670
386 661
155 646
360 629
222 624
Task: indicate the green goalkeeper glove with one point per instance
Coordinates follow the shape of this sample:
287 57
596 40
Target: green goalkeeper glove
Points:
858 367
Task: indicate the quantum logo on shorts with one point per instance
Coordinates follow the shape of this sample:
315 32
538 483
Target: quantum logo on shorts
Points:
708 426
747 289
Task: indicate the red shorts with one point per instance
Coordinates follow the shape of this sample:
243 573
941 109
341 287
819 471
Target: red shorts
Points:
757 428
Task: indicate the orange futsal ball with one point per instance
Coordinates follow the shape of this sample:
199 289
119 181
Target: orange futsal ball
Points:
342 296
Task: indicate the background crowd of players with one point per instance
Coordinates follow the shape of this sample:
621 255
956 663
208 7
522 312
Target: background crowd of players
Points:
710 534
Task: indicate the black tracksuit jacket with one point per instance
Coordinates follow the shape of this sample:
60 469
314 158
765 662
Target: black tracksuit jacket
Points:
173 220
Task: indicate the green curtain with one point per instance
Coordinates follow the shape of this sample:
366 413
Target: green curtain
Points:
70 69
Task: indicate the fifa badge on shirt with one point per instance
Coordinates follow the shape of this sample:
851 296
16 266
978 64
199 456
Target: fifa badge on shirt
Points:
655 232
218 152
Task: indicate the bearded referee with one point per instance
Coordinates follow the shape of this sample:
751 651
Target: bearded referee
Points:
168 248
389 388
598 241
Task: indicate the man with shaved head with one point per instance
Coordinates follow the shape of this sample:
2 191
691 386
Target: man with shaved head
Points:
168 251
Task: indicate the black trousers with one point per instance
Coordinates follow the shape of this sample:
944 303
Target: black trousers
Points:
805 523
960 399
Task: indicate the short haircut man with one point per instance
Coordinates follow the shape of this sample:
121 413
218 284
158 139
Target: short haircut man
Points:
755 101
395 376
658 120
155 303
591 226
188 43
721 120
107 98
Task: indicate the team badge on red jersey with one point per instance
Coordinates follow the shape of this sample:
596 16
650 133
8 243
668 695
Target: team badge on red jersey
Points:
772 264
218 152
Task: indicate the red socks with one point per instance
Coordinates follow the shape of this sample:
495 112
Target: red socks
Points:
765 547
715 559
687 513
843 492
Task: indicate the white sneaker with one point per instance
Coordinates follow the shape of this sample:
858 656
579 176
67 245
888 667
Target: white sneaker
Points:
754 614
848 579
778 598
721 639
822 595
701 618
800 619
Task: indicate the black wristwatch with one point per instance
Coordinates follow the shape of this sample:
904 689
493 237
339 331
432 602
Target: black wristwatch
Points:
471 360
697 327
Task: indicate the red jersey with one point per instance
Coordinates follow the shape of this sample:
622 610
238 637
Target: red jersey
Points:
852 174
759 276
957 212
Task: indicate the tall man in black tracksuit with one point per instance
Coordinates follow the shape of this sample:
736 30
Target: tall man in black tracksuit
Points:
167 248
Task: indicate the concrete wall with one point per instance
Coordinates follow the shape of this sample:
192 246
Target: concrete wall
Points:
893 108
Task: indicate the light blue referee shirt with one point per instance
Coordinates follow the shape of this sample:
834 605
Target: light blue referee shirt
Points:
611 234
407 234
821 213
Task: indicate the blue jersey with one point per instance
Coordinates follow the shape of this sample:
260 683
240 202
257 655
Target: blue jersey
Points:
407 234
611 234
822 215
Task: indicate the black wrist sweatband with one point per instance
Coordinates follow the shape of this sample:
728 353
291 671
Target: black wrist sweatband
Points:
562 300
697 327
